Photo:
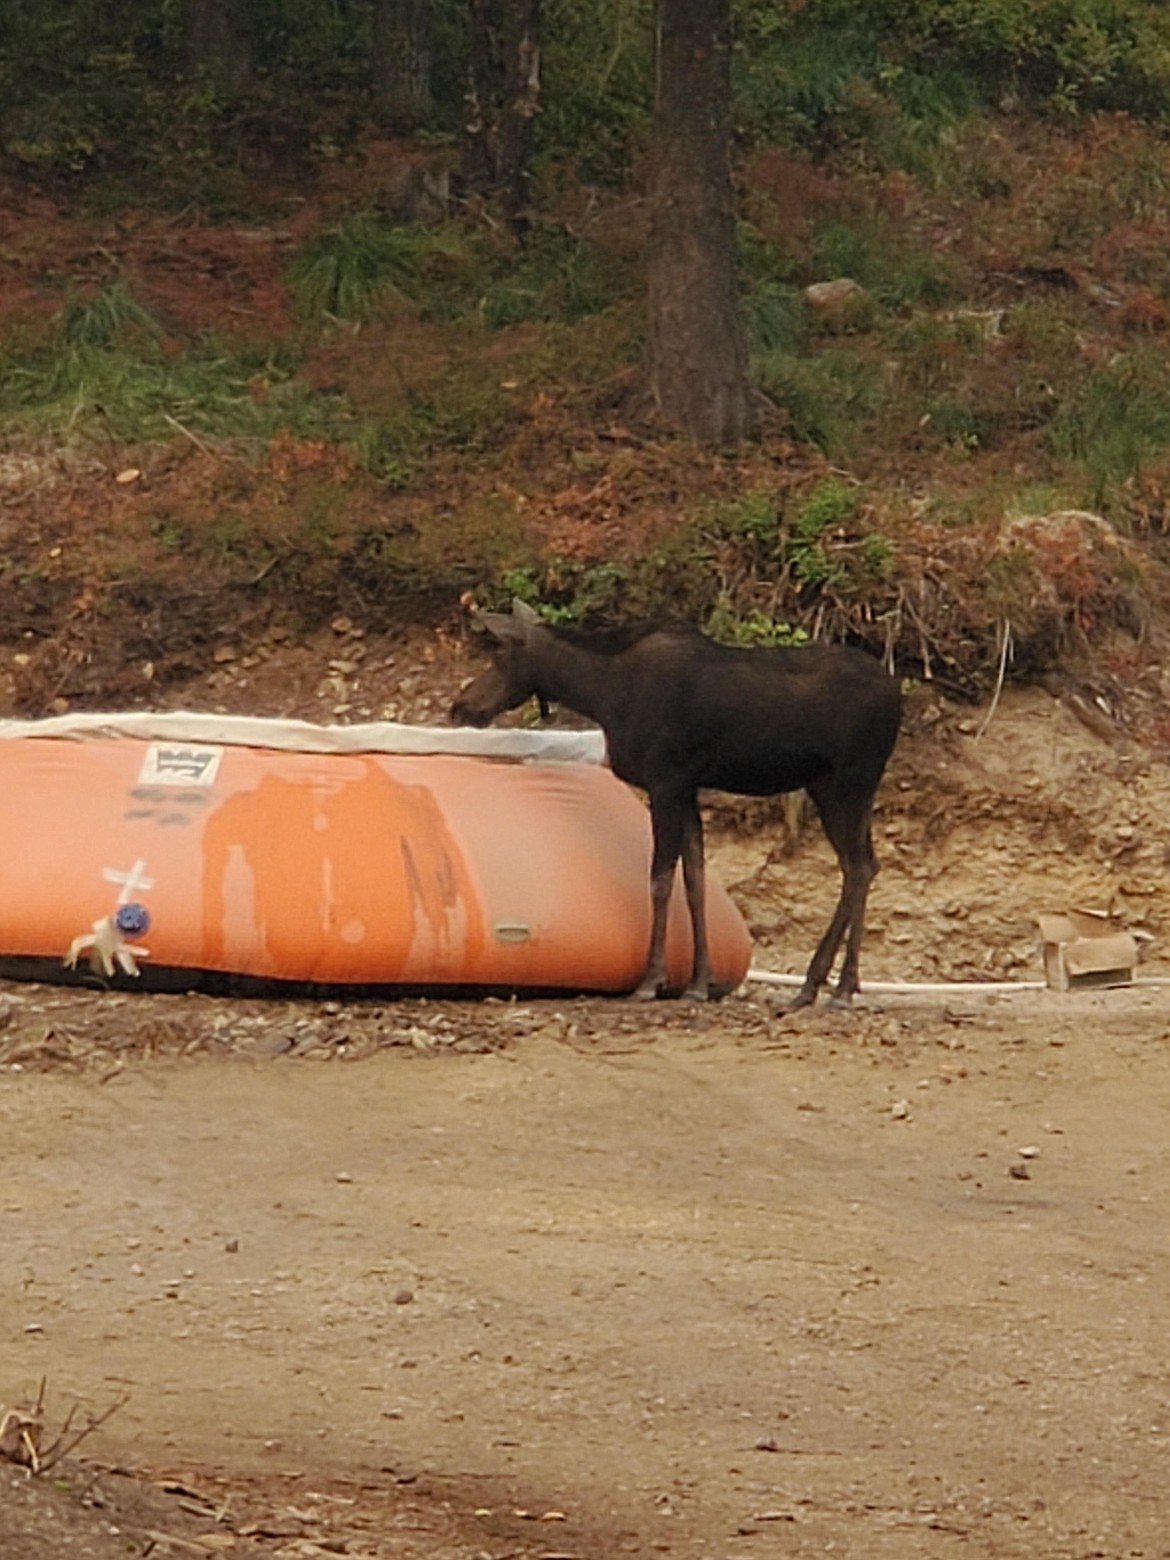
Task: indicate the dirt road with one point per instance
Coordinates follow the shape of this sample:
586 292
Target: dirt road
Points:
693 1282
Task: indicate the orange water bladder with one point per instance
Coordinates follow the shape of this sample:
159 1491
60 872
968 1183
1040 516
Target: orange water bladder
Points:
338 867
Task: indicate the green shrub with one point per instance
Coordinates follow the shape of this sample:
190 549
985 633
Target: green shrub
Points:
754 516
893 78
568 590
108 317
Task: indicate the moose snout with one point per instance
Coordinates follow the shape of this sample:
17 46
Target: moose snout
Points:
464 713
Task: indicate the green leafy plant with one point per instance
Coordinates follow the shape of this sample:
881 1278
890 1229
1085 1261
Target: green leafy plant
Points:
727 623
876 554
567 590
806 546
753 515
895 76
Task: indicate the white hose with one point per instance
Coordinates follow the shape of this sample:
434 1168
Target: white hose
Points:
944 987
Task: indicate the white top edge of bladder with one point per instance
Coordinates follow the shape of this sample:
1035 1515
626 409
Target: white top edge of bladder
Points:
302 736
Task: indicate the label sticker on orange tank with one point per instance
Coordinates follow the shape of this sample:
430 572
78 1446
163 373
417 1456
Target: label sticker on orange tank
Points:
180 764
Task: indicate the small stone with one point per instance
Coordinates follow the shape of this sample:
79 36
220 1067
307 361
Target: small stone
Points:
831 295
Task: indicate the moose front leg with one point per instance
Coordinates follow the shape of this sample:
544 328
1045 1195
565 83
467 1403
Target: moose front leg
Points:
668 817
822 959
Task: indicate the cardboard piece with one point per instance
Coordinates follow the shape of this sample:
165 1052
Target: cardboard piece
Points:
1086 948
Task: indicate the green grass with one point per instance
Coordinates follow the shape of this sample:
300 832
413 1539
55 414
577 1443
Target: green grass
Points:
829 398
1116 422
554 277
363 263
140 398
896 271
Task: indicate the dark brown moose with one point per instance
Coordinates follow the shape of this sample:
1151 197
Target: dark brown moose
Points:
680 713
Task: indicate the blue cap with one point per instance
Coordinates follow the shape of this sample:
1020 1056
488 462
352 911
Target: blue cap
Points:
132 919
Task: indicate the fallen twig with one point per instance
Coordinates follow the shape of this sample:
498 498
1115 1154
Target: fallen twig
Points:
21 1434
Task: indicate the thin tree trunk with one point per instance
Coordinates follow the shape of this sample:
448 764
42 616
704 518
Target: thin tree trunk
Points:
697 353
216 46
502 101
401 66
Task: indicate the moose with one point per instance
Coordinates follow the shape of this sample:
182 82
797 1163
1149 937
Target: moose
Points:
682 712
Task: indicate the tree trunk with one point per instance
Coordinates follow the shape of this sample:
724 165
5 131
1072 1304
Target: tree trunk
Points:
697 354
502 101
401 67
216 46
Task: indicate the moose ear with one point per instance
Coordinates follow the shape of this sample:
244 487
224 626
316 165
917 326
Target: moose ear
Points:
504 630
523 613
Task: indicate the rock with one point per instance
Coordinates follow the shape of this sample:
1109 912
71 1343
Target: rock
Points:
842 301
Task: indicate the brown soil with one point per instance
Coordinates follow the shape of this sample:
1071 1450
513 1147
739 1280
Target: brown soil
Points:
579 1278
698 1283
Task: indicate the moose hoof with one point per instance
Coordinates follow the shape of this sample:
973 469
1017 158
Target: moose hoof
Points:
840 1002
805 997
704 991
647 991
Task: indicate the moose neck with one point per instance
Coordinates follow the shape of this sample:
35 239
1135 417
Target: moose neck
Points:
581 679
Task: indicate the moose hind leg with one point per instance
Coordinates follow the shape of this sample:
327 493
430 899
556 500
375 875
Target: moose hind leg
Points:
695 879
846 820
858 877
